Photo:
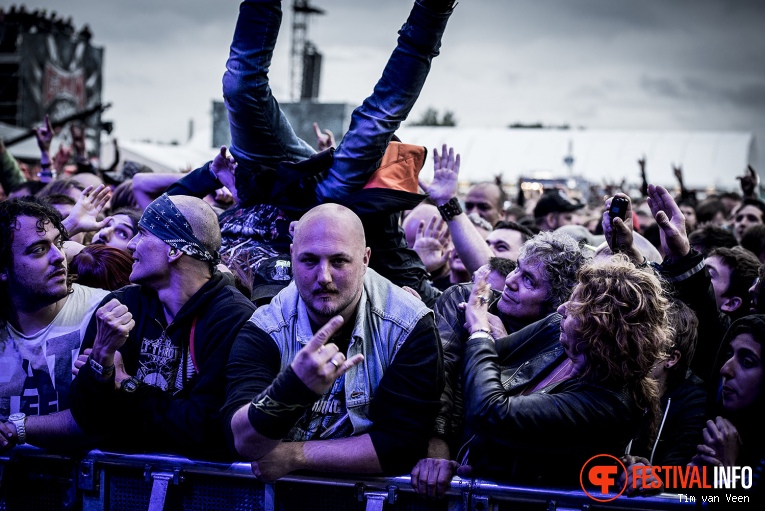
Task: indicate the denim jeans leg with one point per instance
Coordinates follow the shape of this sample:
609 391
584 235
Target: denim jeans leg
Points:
376 120
260 133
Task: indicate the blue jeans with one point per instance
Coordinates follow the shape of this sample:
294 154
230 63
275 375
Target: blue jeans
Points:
261 134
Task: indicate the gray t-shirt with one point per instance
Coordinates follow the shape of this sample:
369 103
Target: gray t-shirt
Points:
36 370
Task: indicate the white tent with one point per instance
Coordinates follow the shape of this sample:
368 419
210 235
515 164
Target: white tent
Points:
167 157
708 159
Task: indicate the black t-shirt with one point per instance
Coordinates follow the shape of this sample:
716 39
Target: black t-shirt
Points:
403 409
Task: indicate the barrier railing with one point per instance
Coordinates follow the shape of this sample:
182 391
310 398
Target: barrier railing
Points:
33 480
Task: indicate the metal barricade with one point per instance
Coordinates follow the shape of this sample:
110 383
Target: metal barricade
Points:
34 480
104 481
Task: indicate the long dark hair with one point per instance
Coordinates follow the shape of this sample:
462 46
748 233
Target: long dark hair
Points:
102 267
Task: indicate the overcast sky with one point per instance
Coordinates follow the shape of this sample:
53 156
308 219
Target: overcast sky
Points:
627 64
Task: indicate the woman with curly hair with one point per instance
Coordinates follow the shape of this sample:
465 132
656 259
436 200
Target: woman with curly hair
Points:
594 399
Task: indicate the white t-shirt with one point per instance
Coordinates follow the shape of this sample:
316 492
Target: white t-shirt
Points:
36 370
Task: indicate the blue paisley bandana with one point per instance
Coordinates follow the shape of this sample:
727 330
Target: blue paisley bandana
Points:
163 219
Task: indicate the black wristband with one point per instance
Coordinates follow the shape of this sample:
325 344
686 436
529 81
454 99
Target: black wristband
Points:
276 410
450 209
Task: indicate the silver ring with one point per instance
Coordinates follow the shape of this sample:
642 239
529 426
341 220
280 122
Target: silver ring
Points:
484 299
334 363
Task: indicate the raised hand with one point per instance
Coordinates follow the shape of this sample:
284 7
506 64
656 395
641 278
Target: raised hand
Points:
750 182
643 177
618 233
674 240
432 243
61 158
224 168
44 135
446 170
113 325
477 308
323 140
641 164
84 214
319 364
677 170
224 196
78 140
496 327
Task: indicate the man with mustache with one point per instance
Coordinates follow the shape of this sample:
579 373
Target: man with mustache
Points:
43 317
342 371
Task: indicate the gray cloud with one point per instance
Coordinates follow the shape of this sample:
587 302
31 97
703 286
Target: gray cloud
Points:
680 64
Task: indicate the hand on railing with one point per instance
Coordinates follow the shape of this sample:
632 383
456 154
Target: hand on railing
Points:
431 476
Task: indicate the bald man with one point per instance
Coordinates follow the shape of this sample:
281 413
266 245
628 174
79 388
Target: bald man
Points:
155 377
488 200
342 363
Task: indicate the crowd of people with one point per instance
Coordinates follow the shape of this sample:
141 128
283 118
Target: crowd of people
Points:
320 309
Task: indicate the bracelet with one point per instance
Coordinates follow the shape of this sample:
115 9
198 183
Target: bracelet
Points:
100 371
450 209
642 265
480 334
485 330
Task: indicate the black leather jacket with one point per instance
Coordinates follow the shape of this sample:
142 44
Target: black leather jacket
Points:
544 438
526 352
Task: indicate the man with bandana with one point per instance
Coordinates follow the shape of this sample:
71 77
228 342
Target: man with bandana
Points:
155 375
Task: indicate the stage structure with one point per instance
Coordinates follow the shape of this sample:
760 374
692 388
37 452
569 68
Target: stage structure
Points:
47 67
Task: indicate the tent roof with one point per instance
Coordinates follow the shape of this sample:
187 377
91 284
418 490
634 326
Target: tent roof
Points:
708 158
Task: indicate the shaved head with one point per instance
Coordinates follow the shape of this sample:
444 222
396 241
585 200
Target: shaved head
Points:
202 218
339 217
329 260
412 221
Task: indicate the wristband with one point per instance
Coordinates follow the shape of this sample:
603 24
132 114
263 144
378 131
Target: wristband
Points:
275 411
480 334
45 170
100 371
450 209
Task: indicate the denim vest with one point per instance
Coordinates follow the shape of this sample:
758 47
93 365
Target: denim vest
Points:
384 319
